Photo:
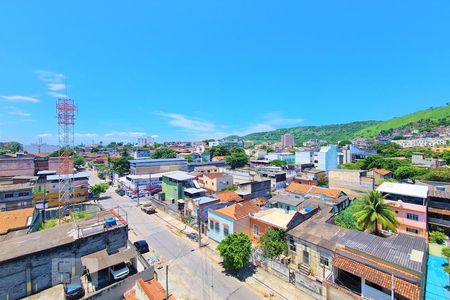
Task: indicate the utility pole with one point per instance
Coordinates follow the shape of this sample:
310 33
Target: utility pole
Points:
167 282
137 189
199 229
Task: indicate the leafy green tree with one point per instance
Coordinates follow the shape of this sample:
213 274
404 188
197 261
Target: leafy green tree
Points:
99 188
235 251
120 165
79 160
188 158
373 211
164 152
438 174
237 158
266 148
231 187
278 163
344 143
404 172
272 243
218 151
346 217
437 236
322 181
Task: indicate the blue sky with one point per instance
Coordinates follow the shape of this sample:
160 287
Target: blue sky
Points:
186 70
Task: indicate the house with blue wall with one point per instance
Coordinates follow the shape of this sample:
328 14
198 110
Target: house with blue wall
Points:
230 219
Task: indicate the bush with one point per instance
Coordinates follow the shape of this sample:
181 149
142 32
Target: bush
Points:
345 218
437 236
272 243
446 252
48 224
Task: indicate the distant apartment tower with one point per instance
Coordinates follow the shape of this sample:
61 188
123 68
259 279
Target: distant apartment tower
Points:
325 159
287 140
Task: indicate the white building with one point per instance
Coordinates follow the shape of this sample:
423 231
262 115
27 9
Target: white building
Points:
425 142
326 159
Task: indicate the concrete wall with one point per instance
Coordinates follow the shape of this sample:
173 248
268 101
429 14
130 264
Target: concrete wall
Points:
350 179
37 271
23 166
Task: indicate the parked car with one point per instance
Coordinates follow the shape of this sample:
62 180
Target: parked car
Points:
155 190
74 291
148 208
141 246
120 192
119 271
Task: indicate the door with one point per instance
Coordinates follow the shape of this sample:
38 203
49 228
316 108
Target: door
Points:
306 257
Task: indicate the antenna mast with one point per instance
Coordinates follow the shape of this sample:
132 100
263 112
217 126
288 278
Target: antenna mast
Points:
65 113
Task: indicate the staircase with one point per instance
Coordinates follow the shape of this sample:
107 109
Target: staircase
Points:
304 269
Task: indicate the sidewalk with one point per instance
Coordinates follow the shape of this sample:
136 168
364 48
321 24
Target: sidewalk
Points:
266 284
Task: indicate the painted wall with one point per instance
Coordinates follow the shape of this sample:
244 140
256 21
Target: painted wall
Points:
218 235
172 190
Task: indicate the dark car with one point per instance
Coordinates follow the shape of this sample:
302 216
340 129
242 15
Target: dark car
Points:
148 208
141 246
155 190
74 290
120 192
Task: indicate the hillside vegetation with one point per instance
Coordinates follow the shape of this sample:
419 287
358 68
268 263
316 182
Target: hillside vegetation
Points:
433 115
330 133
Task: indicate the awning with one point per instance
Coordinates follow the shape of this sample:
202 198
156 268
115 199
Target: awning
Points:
101 260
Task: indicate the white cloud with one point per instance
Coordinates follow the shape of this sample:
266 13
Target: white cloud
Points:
154 136
57 95
125 134
17 98
55 82
56 86
44 135
184 122
14 111
86 135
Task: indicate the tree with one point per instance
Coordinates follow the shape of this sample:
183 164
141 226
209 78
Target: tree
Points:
405 172
236 160
437 236
120 165
272 243
188 158
235 251
164 152
344 143
446 253
231 187
99 188
373 211
79 160
13 146
219 151
322 181
278 163
438 174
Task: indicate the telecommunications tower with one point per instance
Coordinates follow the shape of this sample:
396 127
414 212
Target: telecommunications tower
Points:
65 113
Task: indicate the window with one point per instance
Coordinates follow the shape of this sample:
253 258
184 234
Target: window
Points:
412 230
324 260
23 194
413 217
216 227
211 224
9 195
225 230
292 245
255 230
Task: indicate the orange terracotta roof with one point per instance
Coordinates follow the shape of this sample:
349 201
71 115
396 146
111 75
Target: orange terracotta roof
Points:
382 172
14 218
218 158
130 295
298 188
239 210
41 154
401 287
260 201
154 290
332 193
228 196
214 175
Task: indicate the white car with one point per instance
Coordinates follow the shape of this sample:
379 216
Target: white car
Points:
119 271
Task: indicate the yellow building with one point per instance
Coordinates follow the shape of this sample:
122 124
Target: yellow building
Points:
440 149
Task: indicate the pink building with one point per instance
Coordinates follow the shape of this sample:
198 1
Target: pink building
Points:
409 203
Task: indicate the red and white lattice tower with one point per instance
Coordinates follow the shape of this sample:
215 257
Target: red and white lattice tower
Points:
65 113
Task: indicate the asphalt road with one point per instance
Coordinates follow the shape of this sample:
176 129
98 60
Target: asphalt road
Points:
192 275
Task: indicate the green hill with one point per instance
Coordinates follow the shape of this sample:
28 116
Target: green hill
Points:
330 133
432 117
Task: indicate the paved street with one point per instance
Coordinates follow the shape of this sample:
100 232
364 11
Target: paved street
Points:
192 274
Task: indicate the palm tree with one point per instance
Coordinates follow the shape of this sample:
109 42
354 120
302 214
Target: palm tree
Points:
372 211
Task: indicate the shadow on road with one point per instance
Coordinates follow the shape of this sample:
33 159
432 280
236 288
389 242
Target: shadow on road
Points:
248 271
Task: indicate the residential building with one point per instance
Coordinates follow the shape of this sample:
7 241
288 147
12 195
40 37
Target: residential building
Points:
276 175
175 183
141 153
228 196
15 196
327 158
231 219
147 290
16 222
287 140
438 213
371 267
254 189
350 153
419 159
215 182
55 164
152 166
145 183
304 157
301 191
381 174
310 176
353 180
409 201
46 189
18 165
198 208
230 143
422 142
440 149
34 262
275 218
206 169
